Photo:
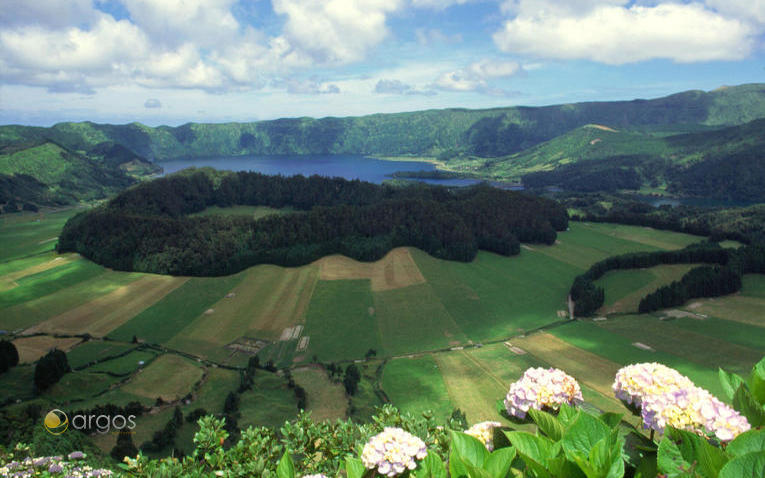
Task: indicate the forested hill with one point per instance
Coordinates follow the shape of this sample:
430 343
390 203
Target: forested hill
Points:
486 133
149 228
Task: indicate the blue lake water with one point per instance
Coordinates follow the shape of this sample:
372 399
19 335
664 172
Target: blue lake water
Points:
344 166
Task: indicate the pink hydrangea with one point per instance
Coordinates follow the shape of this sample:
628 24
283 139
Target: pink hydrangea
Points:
542 388
393 452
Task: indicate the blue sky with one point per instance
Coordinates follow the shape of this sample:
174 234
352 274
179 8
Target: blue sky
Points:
174 61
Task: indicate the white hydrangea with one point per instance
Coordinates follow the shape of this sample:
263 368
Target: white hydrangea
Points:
393 451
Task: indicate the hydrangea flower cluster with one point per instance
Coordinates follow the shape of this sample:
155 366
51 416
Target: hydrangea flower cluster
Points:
667 398
635 382
693 409
540 387
51 466
317 475
484 431
393 451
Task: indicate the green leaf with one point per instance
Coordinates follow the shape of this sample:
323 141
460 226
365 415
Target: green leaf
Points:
751 465
749 442
354 467
285 469
549 425
567 415
730 382
582 435
431 467
744 403
457 466
476 472
536 451
611 419
469 449
538 448
499 461
710 459
757 382
670 460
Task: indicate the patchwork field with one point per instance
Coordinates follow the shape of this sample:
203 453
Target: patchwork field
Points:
32 348
439 327
327 400
170 377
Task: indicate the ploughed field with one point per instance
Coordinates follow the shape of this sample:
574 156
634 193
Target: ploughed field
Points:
426 333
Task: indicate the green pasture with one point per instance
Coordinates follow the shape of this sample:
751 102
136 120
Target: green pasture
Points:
748 335
412 319
169 377
17 383
754 286
126 364
47 282
338 320
415 385
77 386
269 403
625 288
163 320
39 309
707 350
25 234
94 350
326 399
619 349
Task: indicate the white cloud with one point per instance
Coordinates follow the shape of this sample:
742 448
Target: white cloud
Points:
152 103
431 36
609 32
310 86
398 87
476 76
207 23
747 10
335 31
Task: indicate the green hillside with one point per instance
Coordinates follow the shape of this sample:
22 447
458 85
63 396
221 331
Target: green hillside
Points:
49 174
449 133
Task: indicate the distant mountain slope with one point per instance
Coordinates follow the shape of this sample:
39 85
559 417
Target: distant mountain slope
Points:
482 133
49 174
727 163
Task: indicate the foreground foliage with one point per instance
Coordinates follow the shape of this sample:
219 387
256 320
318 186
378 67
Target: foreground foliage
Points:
569 440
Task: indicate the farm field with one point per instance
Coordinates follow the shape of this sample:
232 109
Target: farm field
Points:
437 328
327 400
625 288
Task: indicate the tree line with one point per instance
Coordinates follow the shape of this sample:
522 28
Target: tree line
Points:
704 281
148 228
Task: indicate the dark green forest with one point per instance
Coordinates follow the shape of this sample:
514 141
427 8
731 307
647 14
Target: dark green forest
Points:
147 227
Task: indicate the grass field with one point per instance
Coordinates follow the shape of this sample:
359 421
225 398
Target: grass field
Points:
102 315
625 288
415 385
26 234
269 403
95 350
619 349
326 400
126 364
32 348
341 321
160 322
267 300
169 377
394 271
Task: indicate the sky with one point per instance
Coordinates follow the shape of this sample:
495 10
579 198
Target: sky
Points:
177 61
